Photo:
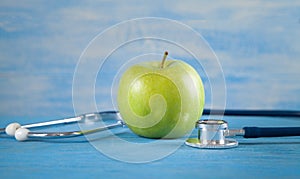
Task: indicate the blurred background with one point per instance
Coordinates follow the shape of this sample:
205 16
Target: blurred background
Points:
257 44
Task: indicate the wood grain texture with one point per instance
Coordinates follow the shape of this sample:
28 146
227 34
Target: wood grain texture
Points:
77 158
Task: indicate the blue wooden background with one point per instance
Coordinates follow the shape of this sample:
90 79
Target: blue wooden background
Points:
257 44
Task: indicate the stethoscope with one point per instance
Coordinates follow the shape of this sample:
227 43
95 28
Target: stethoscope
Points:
212 133
22 132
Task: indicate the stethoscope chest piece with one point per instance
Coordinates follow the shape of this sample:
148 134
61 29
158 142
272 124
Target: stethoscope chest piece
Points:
211 135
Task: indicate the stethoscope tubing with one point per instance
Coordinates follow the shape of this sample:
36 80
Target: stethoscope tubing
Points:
249 112
227 112
250 132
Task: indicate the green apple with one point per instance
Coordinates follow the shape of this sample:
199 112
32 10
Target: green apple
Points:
161 99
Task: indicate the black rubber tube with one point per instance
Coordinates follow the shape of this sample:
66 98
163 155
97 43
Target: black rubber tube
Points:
241 112
270 113
255 132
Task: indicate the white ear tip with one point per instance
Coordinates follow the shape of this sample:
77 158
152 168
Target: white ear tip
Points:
11 128
22 134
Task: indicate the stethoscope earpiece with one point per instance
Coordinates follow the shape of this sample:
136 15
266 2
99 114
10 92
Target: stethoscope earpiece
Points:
12 128
21 134
16 130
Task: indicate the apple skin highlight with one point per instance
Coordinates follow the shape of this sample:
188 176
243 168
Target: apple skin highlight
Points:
161 100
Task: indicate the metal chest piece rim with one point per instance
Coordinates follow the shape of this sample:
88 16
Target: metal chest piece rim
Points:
211 135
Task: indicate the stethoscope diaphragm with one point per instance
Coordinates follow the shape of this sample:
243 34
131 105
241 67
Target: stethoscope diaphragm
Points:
212 134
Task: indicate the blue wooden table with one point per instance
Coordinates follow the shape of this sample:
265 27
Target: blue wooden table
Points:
77 158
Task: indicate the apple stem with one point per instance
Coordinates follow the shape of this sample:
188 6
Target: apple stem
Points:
163 60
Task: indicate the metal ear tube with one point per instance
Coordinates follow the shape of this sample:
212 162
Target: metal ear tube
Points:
23 133
212 134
